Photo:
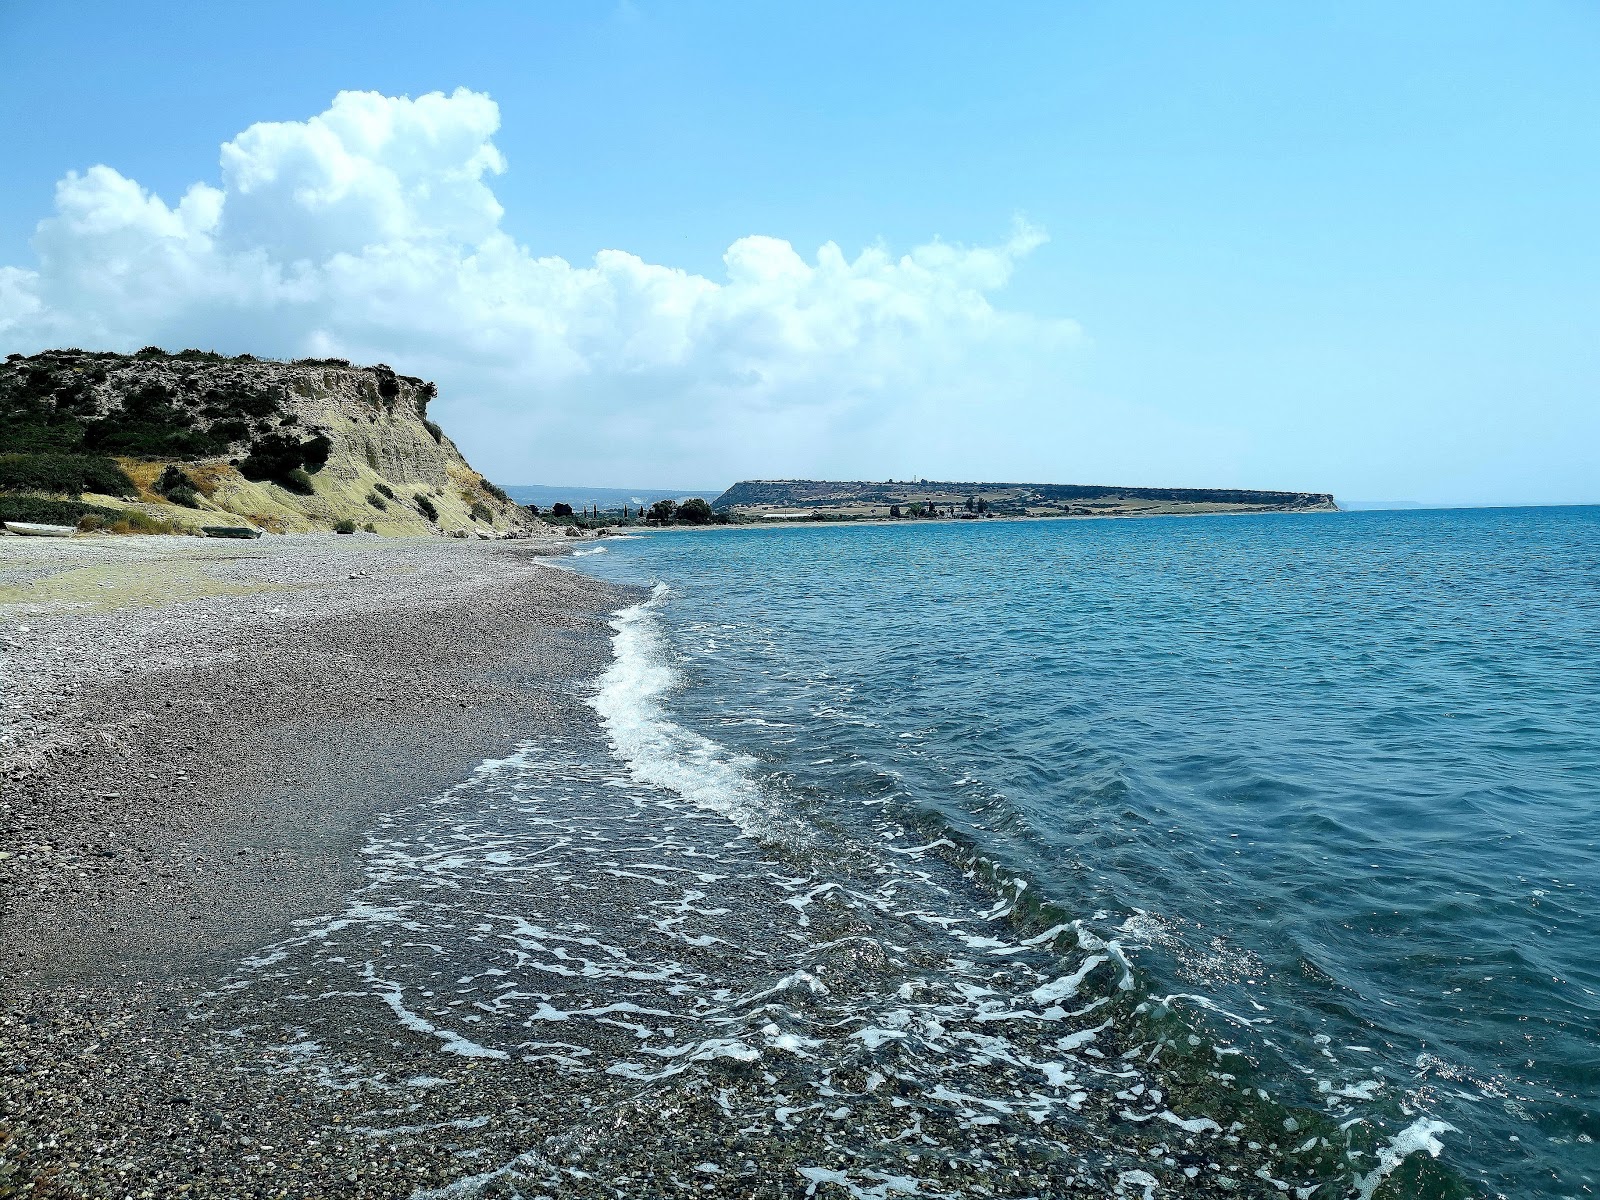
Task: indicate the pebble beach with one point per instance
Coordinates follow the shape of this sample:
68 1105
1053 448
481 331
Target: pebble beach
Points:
195 734
378 868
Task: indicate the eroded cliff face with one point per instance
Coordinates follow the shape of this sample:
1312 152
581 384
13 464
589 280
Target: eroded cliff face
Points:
281 446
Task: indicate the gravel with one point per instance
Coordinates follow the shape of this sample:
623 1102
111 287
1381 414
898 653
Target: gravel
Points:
194 735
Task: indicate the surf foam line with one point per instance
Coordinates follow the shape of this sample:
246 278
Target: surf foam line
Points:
631 702
870 1032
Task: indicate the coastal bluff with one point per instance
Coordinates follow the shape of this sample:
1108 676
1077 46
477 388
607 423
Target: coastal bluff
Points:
175 442
785 498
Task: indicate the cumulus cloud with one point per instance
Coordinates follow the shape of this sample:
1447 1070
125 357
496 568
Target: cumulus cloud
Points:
372 231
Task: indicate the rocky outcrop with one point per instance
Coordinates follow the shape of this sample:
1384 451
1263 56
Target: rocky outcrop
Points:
203 439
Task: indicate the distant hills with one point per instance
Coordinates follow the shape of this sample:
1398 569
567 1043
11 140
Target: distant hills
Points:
799 498
606 499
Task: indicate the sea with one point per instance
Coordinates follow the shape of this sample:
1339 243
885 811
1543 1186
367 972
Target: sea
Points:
1219 855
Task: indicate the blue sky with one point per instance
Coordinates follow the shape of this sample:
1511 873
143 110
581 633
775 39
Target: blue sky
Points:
1344 247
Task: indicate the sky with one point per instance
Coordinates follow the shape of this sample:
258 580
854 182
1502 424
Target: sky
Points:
1343 247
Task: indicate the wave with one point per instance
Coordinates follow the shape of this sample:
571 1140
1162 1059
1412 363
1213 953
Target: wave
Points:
631 700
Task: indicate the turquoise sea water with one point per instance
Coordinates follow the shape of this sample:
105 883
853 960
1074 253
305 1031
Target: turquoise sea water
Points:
1332 780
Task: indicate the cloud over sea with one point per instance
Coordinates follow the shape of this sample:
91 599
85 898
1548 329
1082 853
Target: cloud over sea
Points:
372 231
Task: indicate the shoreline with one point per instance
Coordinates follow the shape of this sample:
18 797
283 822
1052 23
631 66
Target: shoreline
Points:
889 522
196 737
392 913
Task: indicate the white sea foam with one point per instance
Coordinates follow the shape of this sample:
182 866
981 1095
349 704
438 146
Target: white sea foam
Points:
1421 1135
631 702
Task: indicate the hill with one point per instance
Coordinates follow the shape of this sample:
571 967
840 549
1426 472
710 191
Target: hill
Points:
606 499
779 498
154 440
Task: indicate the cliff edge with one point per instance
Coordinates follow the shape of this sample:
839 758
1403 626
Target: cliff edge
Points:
191 439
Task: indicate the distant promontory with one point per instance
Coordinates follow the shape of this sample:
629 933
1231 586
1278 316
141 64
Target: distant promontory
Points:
800 499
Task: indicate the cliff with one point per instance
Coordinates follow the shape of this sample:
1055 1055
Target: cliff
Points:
866 499
194 439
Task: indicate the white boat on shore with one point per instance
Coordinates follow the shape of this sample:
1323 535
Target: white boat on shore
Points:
31 529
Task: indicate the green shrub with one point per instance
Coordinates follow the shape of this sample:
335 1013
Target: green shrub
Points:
283 460
229 431
316 451
385 490
426 507
372 456
345 526
377 501
45 511
69 474
370 527
177 487
495 490
694 511
481 512
131 520
433 428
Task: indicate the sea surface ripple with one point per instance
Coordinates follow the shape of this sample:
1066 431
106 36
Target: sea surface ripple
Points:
1331 780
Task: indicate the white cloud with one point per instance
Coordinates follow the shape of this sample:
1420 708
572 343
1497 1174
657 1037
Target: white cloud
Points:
371 231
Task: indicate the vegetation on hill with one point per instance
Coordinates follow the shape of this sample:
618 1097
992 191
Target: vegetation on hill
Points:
857 500
303 445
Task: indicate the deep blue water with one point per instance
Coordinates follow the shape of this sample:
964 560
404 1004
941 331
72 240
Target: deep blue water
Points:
1334 778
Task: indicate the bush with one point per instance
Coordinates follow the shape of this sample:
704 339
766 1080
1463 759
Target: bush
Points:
498 492
345 526
384 489
426 507
662 510
178 487
69 474
433 428
45 511
173 476
694 511
560 509
229 431
388 385
370 527
377 501
481 512
372 456
280 459
315 452
131 520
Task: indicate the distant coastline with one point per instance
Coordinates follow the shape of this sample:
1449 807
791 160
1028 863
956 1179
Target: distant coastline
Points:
808 499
